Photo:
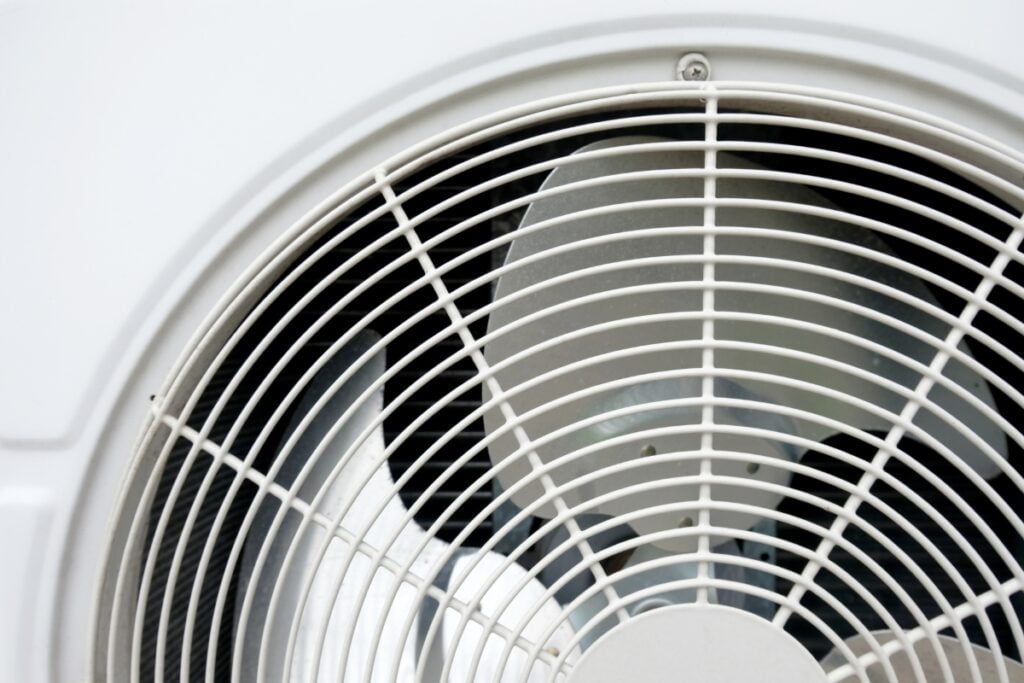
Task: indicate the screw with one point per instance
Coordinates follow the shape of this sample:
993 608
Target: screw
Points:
752 467
695 72
648 450
693 67
553 651
686 522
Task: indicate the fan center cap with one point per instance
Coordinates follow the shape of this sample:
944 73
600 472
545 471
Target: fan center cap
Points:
697 643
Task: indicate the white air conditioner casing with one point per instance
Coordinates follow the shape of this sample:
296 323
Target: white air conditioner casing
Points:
150 154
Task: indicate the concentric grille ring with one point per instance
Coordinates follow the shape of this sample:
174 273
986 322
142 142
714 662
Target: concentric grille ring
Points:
370 463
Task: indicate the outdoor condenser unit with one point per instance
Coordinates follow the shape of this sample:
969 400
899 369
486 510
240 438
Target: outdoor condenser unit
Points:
569 342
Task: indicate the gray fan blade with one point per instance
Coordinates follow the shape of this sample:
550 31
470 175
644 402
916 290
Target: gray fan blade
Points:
320 615
952 651
288 586
629 336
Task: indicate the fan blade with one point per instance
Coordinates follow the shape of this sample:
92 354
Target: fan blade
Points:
327 615
481 575
952 651
639 331
322 612
626 575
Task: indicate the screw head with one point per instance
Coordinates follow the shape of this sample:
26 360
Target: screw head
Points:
694 67
695 72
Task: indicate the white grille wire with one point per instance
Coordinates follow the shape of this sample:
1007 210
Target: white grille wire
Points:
461 612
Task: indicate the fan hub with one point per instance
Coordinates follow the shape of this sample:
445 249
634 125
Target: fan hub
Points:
697 643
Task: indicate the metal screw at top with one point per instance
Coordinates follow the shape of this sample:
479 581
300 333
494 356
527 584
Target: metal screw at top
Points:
694 67
696 72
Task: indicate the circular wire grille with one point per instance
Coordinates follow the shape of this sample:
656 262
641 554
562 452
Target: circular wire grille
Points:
319 493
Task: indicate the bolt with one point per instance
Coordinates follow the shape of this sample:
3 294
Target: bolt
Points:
686 522
648 450
752 467
694 67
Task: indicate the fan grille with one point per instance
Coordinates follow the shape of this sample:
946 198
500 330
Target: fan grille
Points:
876 529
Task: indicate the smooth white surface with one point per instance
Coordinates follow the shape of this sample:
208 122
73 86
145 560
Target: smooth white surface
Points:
705 643
137 132
144 149
24 522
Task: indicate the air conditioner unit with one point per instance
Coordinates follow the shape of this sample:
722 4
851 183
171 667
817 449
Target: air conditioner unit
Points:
616 341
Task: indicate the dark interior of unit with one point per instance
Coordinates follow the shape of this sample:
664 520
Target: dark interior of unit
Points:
468 476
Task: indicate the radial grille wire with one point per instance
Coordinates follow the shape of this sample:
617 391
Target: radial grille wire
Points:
226 540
